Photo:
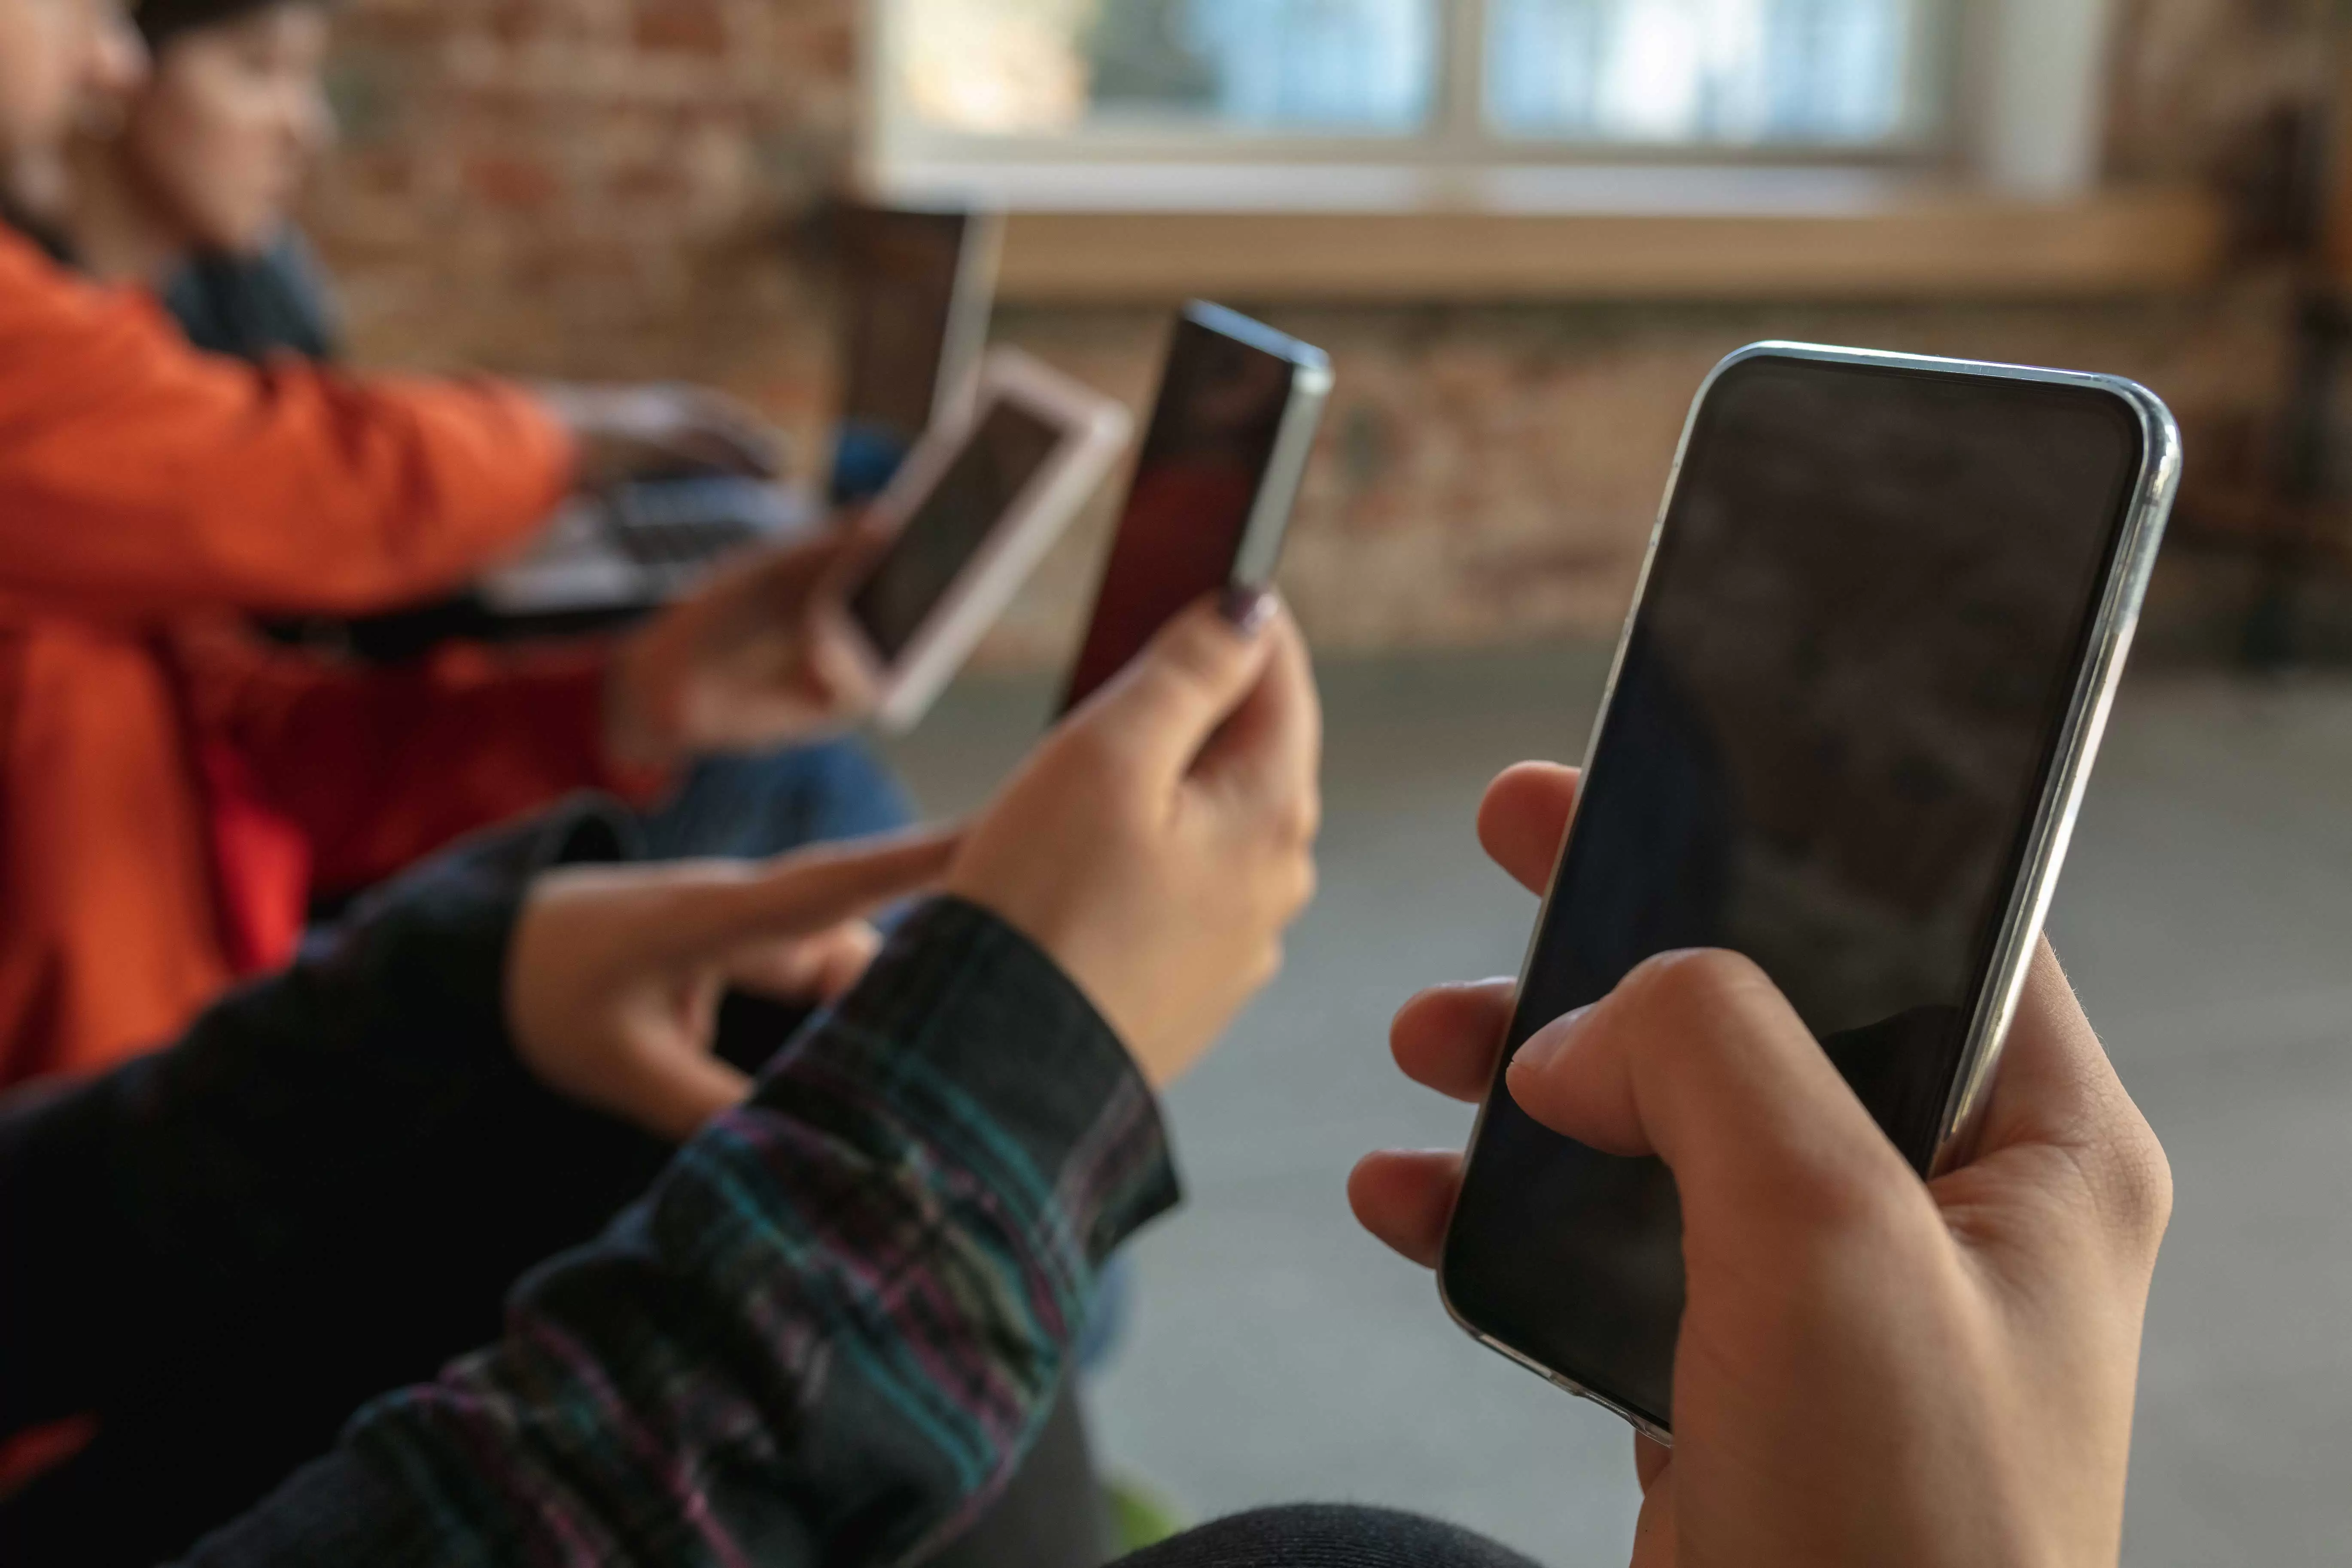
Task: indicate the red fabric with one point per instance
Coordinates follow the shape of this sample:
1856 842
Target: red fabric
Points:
262 863
373 767
27 1456
322 774
144 486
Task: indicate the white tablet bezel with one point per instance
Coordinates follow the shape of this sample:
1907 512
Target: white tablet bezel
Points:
1093 430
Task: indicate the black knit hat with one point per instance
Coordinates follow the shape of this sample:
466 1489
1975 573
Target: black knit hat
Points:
159 21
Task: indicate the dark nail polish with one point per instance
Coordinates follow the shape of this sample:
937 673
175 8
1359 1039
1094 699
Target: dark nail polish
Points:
1245 609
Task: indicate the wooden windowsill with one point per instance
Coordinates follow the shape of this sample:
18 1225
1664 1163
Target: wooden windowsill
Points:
1352 234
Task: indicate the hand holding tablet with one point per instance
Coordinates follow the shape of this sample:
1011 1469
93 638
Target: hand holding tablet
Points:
742 663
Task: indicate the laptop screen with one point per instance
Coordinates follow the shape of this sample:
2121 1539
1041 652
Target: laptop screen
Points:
905 332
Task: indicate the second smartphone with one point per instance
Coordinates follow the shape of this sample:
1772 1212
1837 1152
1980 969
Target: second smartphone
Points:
1875 642
1238 408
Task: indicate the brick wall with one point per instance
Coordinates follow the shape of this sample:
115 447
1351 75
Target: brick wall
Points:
617 189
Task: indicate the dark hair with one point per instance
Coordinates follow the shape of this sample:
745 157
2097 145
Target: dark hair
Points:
160 21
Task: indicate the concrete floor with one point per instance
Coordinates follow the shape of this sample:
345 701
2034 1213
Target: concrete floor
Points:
1277 1354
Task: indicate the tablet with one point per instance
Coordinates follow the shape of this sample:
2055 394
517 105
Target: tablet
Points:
1238 408
979 500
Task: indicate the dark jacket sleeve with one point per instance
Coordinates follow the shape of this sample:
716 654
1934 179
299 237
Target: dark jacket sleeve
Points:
825 1336
344 1159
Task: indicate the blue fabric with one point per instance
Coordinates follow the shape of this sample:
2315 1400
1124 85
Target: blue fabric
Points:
1106 1328
747 807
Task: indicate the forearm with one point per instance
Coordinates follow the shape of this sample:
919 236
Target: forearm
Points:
140 477
828 1332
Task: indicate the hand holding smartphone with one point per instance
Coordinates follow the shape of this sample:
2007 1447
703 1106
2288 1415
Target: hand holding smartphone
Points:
1238 408
1870 1374
1851 721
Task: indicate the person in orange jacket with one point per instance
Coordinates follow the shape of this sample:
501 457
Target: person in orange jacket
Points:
168 789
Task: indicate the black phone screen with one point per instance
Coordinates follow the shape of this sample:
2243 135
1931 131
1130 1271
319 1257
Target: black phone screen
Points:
989 472
1826 748
1212 432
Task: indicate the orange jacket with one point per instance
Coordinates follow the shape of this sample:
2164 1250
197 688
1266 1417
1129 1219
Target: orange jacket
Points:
166 788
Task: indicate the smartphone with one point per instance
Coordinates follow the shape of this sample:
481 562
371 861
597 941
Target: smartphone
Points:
1874 645
980 500
1238 406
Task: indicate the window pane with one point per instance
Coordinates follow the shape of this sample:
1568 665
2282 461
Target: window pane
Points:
1045 66
1835 72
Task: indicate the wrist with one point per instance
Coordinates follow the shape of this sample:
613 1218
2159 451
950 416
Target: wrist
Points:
1063 939
962 996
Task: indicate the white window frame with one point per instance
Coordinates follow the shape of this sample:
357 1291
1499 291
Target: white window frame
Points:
2010 97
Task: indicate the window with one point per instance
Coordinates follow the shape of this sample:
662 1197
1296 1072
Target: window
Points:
1822 72
1461 80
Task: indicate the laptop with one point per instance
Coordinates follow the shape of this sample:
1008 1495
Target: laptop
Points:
916 287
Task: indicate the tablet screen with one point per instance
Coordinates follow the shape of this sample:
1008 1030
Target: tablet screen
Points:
995 464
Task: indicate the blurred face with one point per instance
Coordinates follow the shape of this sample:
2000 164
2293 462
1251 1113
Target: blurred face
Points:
55 56
230 124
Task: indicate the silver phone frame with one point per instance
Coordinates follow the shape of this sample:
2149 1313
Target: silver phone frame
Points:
1294 436
1268 524
2097 677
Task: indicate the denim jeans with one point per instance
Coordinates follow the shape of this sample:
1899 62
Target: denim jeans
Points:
751 807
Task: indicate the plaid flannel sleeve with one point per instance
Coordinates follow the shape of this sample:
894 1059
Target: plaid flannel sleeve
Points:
826 1334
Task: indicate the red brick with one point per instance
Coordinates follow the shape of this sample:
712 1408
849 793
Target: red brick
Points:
511 183
691 26
590 188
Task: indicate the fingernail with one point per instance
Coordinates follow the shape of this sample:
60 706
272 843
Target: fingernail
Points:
1245 609
1548 1044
